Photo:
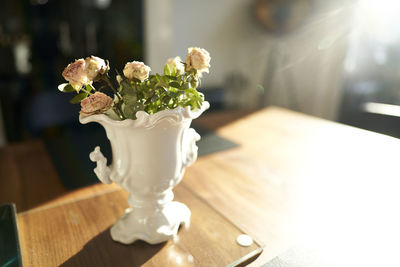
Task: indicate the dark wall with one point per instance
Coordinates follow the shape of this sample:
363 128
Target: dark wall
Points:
49 34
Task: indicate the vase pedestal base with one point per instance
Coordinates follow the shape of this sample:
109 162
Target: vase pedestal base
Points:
152 225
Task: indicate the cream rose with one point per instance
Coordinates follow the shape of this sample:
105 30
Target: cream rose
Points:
95 104
75 74
198 59
136 69
83 72
176 63
94 67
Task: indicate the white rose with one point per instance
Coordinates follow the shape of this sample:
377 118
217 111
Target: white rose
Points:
75 74
176 63
136 69
95 66
95 104
198 59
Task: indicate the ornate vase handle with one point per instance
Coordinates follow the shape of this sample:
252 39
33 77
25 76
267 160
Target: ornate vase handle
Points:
102 170
189 146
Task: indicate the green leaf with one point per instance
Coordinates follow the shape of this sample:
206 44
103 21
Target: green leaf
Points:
161 87
167 71
173 71
126 87
174 84
166 100
175 94
88 88
155 98
171 77
130 99
78 98
148 94
152 78
184 86
160 92
130 112
139 106
165 79
66 88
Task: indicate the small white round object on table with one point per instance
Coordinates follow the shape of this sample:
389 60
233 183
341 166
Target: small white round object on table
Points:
244 240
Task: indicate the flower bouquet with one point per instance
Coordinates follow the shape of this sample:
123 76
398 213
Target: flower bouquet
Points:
147 121
136 89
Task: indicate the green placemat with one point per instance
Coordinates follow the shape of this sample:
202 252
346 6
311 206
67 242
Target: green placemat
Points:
70 151
10 251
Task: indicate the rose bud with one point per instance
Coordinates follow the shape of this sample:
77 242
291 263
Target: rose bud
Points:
198 59
137 70
95 104
176 63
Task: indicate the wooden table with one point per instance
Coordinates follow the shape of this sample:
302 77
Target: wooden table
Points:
294 180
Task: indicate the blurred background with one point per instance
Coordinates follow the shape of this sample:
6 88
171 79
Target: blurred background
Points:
334 59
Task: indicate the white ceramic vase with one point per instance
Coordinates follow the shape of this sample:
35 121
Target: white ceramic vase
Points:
150 155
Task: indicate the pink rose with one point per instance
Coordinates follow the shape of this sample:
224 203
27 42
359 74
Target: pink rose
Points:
75 74
95 104
83 72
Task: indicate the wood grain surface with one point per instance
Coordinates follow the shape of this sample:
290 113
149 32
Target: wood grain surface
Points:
77 234
293 177
29 179
27 175
297 178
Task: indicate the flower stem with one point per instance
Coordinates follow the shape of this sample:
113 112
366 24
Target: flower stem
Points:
86 91
118 110
112 87
91 86
118 105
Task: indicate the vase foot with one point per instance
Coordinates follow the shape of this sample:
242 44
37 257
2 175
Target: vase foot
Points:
152 226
